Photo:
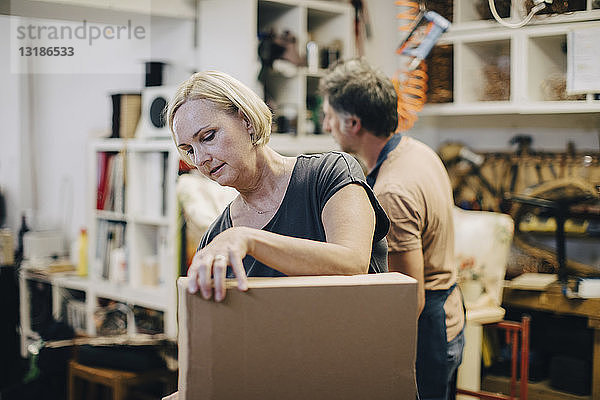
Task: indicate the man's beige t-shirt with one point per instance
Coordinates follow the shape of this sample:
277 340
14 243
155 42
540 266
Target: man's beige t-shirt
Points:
414 189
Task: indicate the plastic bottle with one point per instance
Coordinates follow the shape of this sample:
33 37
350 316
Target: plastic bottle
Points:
82 263
22 231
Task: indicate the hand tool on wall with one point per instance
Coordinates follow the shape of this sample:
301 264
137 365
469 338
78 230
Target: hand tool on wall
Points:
424 30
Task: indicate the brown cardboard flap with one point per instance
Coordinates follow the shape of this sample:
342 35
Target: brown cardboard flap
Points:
329 337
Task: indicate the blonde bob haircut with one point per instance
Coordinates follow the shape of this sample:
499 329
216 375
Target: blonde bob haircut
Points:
230 96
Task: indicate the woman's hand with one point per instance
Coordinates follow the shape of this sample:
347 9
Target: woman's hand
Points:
209 265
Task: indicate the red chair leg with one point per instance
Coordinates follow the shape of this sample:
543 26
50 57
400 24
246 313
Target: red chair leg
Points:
512 337
524 356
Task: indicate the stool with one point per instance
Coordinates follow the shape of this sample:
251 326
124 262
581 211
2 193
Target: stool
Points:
118 381
513 329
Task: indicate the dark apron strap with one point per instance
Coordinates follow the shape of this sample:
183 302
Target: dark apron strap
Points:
432 363
389 146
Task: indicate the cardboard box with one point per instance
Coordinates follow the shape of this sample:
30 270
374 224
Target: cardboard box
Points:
318 337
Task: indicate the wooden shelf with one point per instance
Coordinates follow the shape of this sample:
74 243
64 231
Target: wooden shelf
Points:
478 24
503 71
506 107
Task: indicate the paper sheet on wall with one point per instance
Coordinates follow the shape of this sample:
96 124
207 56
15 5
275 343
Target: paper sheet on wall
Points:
583 61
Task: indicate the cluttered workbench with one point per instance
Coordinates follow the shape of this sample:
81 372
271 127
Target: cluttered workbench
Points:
575 291
554 200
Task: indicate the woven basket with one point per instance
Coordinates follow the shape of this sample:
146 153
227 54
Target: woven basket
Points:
497 83
439 67
554 87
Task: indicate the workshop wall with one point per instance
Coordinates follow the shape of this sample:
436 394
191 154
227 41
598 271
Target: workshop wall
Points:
59 113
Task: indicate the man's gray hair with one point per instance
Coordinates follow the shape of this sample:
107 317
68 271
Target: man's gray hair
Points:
354 87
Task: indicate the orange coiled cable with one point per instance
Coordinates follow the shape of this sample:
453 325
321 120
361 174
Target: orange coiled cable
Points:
412 95
409 13
411 86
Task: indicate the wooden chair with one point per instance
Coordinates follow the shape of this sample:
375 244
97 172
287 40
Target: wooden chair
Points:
119 381
514 331
482 247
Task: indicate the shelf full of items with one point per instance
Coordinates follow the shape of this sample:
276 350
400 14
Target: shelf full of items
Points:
298 40
281 50
483 67
132 234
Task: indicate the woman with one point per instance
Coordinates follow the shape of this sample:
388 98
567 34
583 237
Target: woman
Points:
305 215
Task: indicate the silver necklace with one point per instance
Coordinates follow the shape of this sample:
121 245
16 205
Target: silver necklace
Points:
251 208
260 212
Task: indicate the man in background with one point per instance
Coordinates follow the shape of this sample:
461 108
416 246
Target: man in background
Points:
412 185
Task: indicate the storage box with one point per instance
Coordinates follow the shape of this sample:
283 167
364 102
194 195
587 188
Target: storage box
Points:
318 337
43 244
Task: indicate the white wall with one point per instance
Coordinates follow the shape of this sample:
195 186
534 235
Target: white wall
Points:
59 114
380 49
223 41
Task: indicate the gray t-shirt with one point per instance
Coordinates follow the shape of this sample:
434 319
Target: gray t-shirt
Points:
314 180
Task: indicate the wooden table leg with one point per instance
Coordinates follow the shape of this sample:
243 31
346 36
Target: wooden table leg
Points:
594 323
71 389
596 366
119 390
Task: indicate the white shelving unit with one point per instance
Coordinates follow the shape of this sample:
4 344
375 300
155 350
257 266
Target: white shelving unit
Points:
149 227
149 238
529 58
324 22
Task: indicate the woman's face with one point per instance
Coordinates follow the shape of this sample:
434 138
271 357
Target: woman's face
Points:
218 144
